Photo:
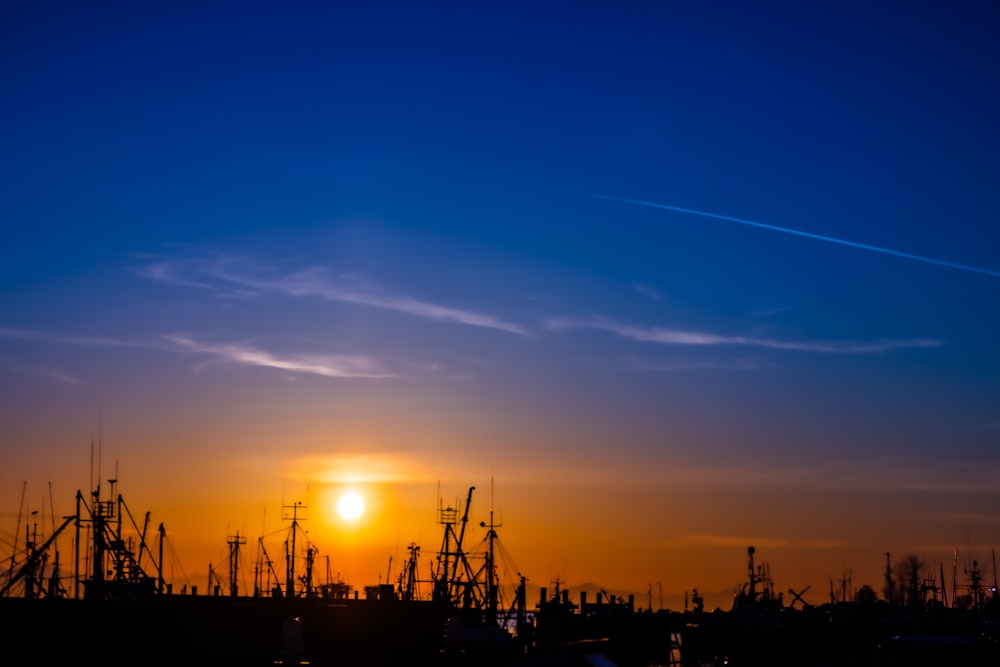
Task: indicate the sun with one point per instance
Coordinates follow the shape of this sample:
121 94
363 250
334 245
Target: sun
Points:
350 506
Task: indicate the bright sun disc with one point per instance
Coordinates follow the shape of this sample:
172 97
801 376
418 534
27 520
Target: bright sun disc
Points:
350 506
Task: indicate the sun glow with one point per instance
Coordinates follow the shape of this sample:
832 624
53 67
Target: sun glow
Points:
350 506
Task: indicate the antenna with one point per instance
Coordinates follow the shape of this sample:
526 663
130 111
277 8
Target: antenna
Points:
17 533
994 552
954 579
52 508
100 447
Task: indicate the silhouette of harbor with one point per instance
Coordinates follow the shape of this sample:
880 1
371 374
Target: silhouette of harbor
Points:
109 602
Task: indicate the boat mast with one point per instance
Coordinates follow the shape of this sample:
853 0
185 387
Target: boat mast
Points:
290 547
452 563
76 550
266 565
308 578
234 543
944 589
888 580
163 534
17 533
752 593
994 552
492 597
409 575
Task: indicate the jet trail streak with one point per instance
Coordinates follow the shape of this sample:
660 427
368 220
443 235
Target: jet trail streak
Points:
820 237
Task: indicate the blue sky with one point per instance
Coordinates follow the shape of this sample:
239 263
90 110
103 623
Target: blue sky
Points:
412 218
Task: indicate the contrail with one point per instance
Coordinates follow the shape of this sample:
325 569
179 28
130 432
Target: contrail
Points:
820 237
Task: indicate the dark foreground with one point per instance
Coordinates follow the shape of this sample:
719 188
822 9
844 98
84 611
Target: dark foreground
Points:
179 630
249 632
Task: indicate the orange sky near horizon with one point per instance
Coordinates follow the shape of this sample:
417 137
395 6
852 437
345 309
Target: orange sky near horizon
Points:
623 529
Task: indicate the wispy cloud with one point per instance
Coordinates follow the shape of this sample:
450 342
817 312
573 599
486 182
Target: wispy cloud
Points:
46 373
335 366
648 291
233 276
667 336
767 313
59 377
47 337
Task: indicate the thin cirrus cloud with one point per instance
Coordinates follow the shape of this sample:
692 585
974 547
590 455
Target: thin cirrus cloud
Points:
667 336
648 292
46 373
249 278
47 337
332 366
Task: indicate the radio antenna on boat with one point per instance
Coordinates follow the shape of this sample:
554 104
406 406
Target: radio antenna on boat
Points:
52 508
994 552
100 447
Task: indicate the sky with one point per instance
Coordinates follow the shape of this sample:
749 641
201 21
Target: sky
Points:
661 280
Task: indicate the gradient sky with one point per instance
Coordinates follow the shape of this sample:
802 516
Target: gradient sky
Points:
265 251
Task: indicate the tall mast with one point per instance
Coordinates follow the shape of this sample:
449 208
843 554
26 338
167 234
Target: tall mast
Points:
994 552
944 589
459 551
76 549
234 543
954 579
17 533
163 535
452 563
409 583
442 579
492 597
290 549
888 579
